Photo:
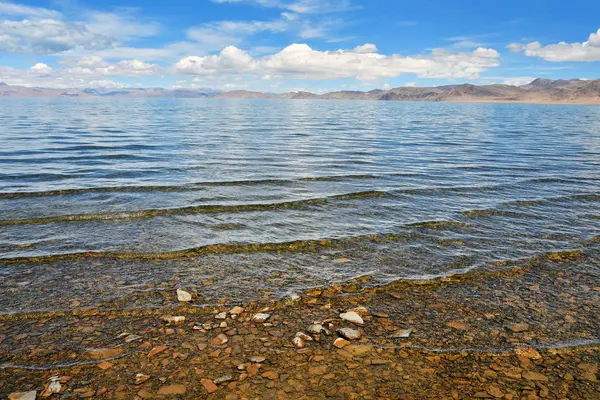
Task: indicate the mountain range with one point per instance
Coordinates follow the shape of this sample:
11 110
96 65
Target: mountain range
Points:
572 91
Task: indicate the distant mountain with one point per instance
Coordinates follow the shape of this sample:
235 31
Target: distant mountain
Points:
572 91
21 91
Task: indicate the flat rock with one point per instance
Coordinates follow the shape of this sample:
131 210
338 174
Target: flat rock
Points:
261 317
349 333
257 359
458 325
174 320
353 317
340 343
209 385
141 378
222 315
172 390
23 395
402 333
236 310
535 376
156 350
183 296
99 354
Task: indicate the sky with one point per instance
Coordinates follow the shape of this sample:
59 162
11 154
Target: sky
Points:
292 45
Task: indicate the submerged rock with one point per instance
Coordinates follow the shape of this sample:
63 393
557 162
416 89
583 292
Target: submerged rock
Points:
261 317
298 342
23 395
402 333
349 333
353 317
183 296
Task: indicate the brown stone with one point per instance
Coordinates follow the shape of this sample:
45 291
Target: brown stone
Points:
99 354
156 350
458 325
172 390
495 391
209 385
252 369
535 376
272 375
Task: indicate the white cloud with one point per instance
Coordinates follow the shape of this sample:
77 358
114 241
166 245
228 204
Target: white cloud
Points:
299 61
47 36
300 6
44 32
55 79
95 66
559 52
40 69
365 49
121 27
11 9
410 84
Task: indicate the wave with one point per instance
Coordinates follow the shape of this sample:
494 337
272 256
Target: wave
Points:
208 208
413 231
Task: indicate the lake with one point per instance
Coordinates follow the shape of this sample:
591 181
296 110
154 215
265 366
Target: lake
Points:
279 196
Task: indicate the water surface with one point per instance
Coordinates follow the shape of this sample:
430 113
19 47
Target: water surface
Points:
403 190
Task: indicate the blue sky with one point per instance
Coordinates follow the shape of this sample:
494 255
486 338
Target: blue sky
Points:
283 45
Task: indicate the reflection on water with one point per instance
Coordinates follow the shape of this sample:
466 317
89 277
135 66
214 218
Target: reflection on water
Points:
165 178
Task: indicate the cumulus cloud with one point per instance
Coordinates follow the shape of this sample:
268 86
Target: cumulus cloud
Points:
54 79
299 61
95 66
365 49
40 69
11 9
586 51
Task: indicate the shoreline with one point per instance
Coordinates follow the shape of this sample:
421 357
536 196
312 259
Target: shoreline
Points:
527 331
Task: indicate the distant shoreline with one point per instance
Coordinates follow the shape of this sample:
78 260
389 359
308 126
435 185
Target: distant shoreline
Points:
540 91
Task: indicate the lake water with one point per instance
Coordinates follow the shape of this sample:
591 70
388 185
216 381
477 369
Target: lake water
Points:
271 194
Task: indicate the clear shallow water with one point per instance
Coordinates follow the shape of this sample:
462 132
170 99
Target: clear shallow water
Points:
134 177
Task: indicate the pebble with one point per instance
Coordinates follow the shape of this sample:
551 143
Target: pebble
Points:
156 350
402 333
349 333
257 359
261 317
535 376
236 310
209 385
141 378
353 317
223 379
298 342
340 343
316 328
174 320
183 296
222 315
304 336
172 389
23 395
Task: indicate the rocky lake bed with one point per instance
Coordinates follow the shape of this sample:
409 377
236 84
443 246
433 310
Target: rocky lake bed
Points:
529 330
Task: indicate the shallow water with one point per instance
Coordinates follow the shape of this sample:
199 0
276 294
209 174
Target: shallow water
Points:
404 190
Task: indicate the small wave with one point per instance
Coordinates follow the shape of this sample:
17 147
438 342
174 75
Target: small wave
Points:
209 208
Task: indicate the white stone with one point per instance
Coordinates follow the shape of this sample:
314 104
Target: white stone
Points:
298 342
183 296
402 333
353 317
349 333
304 336
222 315
261 317
316 328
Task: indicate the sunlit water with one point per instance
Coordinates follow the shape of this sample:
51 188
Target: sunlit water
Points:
411 190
